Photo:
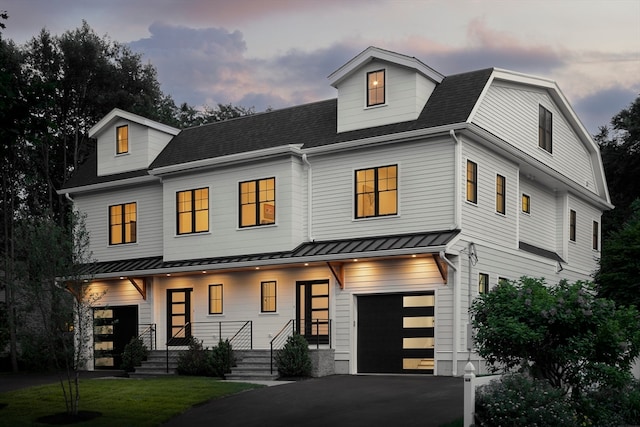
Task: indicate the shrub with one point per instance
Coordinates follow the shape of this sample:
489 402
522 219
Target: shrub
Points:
222 358
518 400
294 360
195 360
133 355
610 406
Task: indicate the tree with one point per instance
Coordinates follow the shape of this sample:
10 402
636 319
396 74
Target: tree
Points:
561 333
619 275
56 300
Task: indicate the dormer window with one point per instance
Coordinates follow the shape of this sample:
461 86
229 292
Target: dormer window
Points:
375 88
122 139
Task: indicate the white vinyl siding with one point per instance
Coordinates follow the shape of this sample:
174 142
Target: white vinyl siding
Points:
148 199
580 254
225 237
406 94
511 113
538 226
425 190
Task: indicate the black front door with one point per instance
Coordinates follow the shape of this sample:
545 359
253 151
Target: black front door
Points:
178 316
113 329
312 311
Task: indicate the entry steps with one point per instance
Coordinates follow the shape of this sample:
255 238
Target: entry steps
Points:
252 365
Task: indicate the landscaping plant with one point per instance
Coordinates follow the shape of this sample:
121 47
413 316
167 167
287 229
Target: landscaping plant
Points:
294 360
135 352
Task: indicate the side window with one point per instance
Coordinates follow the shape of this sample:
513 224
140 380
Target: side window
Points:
122 139
377 191
258 202
375 88
572 225
545 122
501 192
215 299
268 297
526 203
122 223
472 182
483 283
596 236
192 211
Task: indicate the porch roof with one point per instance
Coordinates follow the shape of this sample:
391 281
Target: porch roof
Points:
325 251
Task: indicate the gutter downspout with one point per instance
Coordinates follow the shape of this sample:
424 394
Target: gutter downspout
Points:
309 198
456 281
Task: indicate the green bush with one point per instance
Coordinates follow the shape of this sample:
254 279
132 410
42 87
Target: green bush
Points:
195 361
294 360
610 407
222 358
135 352
517 400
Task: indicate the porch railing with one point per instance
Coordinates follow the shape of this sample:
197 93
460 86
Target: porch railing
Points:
316 332
148 336
239 334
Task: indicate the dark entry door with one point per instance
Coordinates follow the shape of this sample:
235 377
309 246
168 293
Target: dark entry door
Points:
178 316
113 329
396 333
312 311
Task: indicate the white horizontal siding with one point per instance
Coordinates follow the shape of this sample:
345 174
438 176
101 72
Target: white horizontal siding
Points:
425 190
149 221
137 157
511 113
539 226
581 255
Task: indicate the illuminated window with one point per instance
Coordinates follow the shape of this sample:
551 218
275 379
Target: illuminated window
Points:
377 191
268 297
215 299
192 208
122 223
501 189
596 235
122 139
483 283
472 182
526 203
545 120
258 202
572 225
375 88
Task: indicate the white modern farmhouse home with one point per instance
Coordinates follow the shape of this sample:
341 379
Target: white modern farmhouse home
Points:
367 223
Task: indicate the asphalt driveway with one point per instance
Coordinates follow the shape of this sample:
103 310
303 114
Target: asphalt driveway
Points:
338 400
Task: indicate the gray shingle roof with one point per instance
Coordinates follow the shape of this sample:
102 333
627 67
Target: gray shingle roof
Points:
312 125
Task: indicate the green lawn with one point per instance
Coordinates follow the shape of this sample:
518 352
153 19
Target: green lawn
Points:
122 401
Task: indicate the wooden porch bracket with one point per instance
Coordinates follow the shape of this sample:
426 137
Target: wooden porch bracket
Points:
338 272
142 289
442 267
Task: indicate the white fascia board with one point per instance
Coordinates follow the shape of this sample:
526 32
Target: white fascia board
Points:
138 180
230 159
384 55
520 157
118 113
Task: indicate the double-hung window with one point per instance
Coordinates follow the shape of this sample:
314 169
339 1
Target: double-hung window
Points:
501 194
258 202
122 223
215 299
483 283
572 225
526 203
122 139
192 211
545 121
377 191
472 182
595 236
268 297
375 88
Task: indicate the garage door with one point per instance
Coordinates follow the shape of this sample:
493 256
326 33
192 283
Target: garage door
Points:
396 333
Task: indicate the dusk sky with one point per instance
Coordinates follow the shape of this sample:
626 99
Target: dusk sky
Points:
277 53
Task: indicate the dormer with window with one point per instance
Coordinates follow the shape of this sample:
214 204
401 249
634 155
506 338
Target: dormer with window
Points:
127 142
380 87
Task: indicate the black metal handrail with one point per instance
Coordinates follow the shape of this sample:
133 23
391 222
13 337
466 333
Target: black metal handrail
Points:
149 331
290 329
281 337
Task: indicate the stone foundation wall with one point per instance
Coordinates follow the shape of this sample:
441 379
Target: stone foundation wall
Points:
322 362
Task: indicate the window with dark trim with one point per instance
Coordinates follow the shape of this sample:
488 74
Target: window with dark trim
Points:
377 191
526 203
375 88
596 235
503 280
122 223
483 283
192 211
268 297
501 190
215 299
472 182
258 202
572 225
545 122
122 139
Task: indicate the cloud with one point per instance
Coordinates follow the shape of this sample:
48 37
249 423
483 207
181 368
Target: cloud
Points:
597 109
